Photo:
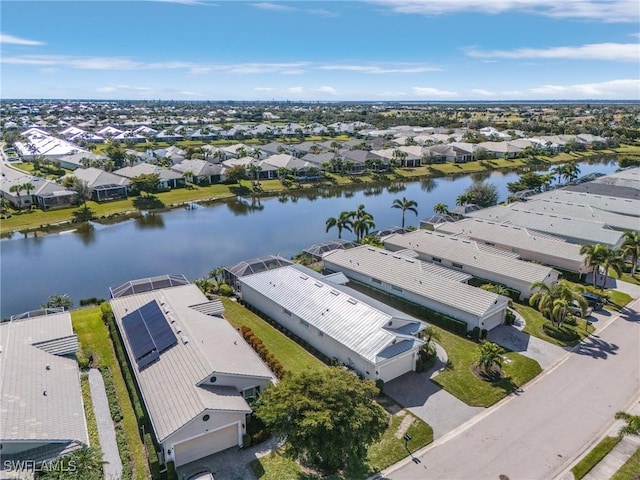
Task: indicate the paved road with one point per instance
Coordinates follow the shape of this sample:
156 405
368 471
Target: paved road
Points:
537 433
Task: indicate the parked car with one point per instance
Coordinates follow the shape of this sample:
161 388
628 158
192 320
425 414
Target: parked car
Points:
204 474
576 309
595 301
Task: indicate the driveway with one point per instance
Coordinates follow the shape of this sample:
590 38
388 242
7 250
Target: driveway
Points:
545 353
428 401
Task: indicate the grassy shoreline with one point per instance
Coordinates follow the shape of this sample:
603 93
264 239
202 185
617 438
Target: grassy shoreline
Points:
55 220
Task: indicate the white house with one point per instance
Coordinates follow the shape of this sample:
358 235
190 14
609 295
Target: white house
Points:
437 288
194 370
481 261
376 341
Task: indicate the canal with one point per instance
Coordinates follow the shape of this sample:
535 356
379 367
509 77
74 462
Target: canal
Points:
193 242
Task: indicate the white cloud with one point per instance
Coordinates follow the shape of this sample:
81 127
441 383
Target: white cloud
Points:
610 11
433 92
625 52
7 39
263 89
124 88
277 7
326 89
296 90
381 69
628 89
484 93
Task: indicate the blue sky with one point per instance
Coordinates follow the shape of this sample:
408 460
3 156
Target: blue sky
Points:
424 50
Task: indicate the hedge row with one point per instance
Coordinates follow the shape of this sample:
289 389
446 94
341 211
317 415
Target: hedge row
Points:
116 416
260 348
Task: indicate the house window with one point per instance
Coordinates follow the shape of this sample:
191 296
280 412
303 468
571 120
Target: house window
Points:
304 324
436 259
397 289
456 265
251 393
286 312
376 281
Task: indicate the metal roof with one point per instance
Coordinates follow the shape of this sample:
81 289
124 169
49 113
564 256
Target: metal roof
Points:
206 345
352 322
411 275
519 238
575 230
320 248
468 252
38 386
624 206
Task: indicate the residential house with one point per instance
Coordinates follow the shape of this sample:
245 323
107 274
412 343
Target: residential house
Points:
103 185
168 178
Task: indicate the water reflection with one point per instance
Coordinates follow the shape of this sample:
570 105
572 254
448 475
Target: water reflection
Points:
87 233
150 220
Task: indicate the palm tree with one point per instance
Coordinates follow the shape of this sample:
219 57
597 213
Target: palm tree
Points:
553 300
633 424
404 205
205 285
602 257
399 156
441 208
83 192
343 222
217 275
429 334
490 354
17 189
362 222
28 186
630 247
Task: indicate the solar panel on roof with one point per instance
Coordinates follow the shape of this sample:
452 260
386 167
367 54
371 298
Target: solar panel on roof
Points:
147 359
157 325
139 338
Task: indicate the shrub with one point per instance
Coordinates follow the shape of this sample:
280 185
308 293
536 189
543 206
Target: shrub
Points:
171 471
225 290
510 318
152 455
483 334
475 333
84 356
380 385
246 440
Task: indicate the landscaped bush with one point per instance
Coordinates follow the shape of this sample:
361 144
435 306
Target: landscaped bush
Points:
483 334
152 455
475 333
225 290
561 333
91 301
256 431
171 471
510 318
380 385
84 356
260 348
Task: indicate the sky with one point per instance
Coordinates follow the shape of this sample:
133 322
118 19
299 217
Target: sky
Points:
377 50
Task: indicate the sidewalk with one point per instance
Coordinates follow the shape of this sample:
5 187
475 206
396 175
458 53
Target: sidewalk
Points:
112 466
617 457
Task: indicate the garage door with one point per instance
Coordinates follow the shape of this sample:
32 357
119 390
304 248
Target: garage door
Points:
397 367
208 444
493 321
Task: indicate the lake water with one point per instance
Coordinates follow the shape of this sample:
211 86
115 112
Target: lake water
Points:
193 242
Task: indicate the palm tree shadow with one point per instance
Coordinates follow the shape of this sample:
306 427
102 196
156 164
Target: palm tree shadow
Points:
596 348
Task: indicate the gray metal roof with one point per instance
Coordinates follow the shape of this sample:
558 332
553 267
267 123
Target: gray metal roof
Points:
206 345
40 396
318 249
576 230
256 265
579 210
146 284
352 322
624 206
469 252
414 276
517 237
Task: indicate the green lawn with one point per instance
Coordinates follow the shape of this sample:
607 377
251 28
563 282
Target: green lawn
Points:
93 334
459 380
617 300
387 451
535 322
592 458
291 355
629 471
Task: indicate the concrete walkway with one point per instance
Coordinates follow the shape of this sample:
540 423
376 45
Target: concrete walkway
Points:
113 465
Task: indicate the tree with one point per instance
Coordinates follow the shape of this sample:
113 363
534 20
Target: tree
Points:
205 285
82 190
115 153
342 222
441 208
553 300
28 187
146 182
602 257
326 417
362 222
490 354
217 275
404 205
630 247
633 424
59 301
429 334
483 194
17 189
237 173
85 463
